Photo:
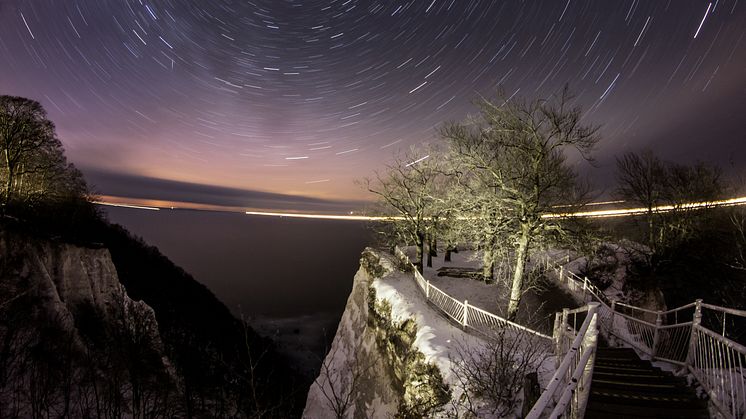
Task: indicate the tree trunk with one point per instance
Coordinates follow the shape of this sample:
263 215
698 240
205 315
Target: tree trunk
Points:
9 181
488 265
420 250
8 188
516 291
431 249
651 232
488 260
448 254
433 244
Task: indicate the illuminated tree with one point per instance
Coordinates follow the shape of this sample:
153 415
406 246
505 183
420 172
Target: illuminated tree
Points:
410 190
513 156
34 170
25 136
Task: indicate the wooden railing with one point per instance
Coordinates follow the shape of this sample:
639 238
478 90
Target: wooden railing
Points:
463 313
567 393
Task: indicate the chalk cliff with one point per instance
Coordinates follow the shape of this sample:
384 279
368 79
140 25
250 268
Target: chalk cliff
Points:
384 360
67 281
117 330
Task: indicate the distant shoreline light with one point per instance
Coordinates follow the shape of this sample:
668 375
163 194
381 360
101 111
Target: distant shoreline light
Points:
320 216
115 204
608 213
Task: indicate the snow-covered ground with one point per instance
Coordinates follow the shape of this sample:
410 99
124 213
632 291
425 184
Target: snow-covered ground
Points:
537 306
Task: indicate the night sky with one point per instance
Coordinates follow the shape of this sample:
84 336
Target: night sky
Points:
211 98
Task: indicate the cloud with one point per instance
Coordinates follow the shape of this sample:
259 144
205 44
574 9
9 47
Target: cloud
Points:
133 186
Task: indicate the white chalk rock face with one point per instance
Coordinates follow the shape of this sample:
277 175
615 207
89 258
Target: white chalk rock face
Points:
354 377
65 279
391 354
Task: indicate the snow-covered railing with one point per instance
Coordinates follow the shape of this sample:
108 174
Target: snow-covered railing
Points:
581 288
718 363
576 349
677 336
468 316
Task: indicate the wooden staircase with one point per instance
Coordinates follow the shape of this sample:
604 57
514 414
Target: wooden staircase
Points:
624 386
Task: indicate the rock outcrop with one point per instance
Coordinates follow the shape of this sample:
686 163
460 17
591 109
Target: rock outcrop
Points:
74 344
66 279
66 282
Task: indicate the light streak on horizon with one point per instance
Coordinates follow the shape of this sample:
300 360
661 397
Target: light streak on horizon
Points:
321 216
591 204
639 211
623 212
112 204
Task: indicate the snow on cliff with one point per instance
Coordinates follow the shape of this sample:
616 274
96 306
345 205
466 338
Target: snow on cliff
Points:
358 365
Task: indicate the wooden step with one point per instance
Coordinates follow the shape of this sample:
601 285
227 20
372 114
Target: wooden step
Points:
631 397
652 377
625 386
627 411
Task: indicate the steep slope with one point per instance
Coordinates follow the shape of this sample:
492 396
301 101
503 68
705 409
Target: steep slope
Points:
68 330
354 376
116 328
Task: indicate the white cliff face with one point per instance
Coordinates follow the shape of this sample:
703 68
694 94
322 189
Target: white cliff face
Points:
391 356
63 278
354 374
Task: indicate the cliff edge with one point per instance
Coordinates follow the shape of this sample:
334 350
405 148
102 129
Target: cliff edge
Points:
391 355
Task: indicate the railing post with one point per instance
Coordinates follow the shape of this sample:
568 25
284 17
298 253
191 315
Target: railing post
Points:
590 343
561 335
556 336
724 314
565 315
696 320
427 290
585 287
466 311
612 326
562 273
656 335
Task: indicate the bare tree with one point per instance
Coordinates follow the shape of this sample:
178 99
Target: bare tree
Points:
646 180
35 174
513 153
738 219
685 184
340 384
491 372
641 180
25 133
408 191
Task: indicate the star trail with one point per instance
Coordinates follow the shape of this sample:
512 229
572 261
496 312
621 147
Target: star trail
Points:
302 97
